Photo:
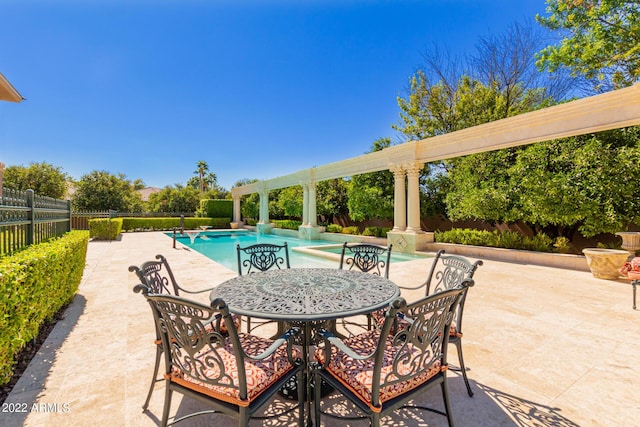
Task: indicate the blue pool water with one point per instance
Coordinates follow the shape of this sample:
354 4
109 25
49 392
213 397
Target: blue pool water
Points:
221 247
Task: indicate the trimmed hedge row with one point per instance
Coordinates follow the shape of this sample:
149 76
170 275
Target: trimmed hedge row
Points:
288 224
506 239
35 284
216 208
132 224
105 228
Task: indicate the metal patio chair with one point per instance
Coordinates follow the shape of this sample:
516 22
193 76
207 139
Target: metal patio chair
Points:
262 257
368 259
449 272
159 278
381 370
231 372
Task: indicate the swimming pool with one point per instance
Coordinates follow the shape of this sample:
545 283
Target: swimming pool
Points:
220 246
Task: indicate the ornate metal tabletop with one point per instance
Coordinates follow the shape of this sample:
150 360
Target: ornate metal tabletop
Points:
306 294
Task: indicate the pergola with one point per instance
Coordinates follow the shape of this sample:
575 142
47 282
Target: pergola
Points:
611 110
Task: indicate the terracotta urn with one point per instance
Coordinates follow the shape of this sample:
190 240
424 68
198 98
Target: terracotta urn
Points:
605 263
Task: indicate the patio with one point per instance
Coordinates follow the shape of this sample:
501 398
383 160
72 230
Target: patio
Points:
544 347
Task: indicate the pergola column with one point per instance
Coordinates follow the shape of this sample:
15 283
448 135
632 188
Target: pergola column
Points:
305 203
264 207
399 199
237 217
312 214
413 197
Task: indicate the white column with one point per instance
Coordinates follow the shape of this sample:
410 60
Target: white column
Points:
399 199
264 207
305 203
312 214
413 197
236 208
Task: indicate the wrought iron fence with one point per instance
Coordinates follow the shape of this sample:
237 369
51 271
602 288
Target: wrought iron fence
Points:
26 219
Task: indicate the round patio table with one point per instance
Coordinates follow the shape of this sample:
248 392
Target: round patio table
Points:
306 297
306 294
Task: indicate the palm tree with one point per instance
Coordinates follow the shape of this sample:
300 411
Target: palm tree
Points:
203 167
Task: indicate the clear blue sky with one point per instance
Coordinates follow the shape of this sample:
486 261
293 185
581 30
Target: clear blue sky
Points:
257 89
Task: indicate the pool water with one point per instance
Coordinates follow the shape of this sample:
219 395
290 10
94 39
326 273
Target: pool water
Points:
221 247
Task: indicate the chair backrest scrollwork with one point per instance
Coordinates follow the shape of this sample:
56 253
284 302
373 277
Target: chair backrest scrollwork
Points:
262 257
157 276
366 258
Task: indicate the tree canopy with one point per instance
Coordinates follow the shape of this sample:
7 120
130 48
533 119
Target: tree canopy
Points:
101 190
43 178
600 40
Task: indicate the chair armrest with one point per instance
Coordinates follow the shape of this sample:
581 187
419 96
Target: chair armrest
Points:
284 338
195 292
331 340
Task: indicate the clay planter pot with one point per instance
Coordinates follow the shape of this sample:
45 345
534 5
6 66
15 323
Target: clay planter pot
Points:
605 263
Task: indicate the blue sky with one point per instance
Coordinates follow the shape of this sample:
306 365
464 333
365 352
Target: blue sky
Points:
257 89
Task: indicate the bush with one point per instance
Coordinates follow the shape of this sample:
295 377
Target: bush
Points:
376 231
506 239
216 208
251 221
35 284
334 228
350 230
132 224
105 228
288 224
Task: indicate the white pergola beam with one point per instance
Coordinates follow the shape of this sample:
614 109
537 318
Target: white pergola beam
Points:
611 110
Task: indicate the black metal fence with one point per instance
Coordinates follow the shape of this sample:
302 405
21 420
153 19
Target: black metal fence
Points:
26 219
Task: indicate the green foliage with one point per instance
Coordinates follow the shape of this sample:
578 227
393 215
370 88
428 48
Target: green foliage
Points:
174 199
252 222
216 208
101 191
35 284
585 183
600 40
371 195
376 231
353 229
288 224
169 223
105 228
331 198
289 201
43 178
506 239
334 228
562 245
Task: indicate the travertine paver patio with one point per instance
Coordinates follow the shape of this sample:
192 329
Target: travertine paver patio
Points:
544 347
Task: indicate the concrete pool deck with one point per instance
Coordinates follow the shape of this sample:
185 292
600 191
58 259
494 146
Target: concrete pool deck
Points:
544 347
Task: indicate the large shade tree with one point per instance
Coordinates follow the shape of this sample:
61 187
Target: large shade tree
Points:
600 41
101 190
43 178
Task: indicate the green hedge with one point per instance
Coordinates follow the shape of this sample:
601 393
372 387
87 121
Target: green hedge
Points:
288 224
376 231
105 228
216 208
334 228
35 284
134 224
506 239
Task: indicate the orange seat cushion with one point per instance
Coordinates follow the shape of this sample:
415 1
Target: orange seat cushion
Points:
211 362
357 375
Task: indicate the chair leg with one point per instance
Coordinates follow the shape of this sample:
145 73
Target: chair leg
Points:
154 378
316 399
445 397
458 344
167 405
301 400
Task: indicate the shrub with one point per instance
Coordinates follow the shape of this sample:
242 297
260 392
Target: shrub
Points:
353 229
251 221
376 231
216 208
131 224
562 245
334 228
105 228
506 239
288 224
35 284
